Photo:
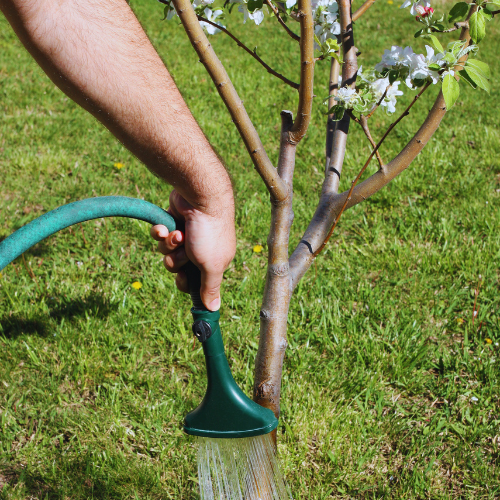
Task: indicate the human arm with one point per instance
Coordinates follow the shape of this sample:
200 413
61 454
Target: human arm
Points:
98 54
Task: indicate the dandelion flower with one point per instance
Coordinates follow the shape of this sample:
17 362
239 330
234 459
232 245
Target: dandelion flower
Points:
390 2
137 285
489 341
258 248
460 321
118 165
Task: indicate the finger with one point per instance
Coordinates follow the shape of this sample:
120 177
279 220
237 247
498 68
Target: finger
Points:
175 260
181 282
210 289
173 241
158 232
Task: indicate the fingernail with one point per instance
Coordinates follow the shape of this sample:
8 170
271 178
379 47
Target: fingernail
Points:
178 238
215 304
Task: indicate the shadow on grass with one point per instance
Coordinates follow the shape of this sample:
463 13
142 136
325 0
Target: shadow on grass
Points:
94 305
80 479
42 324
34 485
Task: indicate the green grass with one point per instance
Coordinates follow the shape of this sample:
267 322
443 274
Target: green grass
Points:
384 358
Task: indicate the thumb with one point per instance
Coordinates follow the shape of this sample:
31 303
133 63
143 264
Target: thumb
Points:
210 289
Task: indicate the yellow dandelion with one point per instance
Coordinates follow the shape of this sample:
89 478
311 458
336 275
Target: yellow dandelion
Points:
258 248
460 321
137 285
489 341
390 2
118 165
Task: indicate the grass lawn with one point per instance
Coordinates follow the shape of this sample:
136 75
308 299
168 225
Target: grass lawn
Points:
390 389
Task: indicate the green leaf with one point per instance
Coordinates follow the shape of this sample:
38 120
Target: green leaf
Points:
494 2
487 14
435 42
332 44
337 111
458 12
434 67
254 5
478 78
451 91
393 76
337 57
467 79
166 10
418 33
316 39
455 47
477 26
418 83
480 67
449 58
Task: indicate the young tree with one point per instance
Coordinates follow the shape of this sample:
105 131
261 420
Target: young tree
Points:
327 27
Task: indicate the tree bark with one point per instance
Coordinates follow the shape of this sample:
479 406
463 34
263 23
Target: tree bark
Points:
231 99
278 290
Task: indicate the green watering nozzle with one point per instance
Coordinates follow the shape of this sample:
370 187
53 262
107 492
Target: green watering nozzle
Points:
225 412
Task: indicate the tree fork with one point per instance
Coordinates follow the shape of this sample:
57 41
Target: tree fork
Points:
329 206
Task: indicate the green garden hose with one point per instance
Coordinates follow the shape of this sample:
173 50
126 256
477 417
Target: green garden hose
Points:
80 211
225 411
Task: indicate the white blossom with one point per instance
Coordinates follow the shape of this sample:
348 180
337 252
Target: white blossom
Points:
411 66
395 57
211 16
257 16
196 3
290 3
199 3
347 96
418 68
417 8
325 14
379 86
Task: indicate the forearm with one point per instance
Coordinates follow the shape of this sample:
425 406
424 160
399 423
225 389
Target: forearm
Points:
98 54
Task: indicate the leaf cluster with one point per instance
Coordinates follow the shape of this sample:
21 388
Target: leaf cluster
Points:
331 48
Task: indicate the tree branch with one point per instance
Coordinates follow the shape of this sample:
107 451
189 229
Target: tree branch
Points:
280 20
362 9
329 206
456 26
330 122
278 290
269 174
406 112
363 121
303 117
253 53
341 128
370 114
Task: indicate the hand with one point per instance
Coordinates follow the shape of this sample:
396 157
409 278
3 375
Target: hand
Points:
209 242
